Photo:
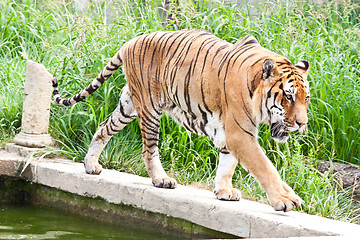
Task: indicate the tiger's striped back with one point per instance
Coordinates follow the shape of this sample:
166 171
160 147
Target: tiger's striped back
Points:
189 73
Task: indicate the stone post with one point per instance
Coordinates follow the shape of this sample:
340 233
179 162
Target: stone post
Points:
36 107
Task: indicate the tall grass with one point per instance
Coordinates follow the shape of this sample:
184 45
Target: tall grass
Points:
75 45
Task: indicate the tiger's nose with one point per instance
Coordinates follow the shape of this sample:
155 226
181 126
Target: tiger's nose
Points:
300 124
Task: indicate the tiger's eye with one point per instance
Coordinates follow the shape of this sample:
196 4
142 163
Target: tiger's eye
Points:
289 97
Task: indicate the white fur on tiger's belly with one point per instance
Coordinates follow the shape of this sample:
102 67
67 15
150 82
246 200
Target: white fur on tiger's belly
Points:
214 129
216 132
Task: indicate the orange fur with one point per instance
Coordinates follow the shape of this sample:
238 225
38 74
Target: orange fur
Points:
212 88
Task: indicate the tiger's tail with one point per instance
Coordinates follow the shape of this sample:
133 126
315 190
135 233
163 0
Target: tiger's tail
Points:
109 69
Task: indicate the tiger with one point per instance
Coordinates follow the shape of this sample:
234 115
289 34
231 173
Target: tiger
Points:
212 88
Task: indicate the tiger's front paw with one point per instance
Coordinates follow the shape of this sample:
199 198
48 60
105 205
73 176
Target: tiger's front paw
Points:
286 200
166 182
230 194
92 168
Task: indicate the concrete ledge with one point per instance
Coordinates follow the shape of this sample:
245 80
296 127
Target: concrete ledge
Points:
244 219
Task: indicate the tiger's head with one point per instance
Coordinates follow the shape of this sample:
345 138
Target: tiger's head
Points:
286 97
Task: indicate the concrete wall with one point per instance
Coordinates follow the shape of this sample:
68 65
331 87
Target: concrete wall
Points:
243 219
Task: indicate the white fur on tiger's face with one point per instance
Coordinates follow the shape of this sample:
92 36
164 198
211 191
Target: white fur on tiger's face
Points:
211 88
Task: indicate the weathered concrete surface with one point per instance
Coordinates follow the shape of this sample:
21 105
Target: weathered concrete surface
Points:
36 107
22 150
244 219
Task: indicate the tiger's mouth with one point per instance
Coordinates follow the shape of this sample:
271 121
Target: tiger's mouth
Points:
279 132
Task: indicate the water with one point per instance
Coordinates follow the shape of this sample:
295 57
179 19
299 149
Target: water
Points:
34 222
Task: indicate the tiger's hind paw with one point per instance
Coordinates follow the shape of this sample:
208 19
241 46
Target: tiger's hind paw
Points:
229 194
165 182
93 168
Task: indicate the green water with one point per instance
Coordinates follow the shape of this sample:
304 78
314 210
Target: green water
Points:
34 222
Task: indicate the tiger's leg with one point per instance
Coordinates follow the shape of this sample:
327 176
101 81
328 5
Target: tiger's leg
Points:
150 124
254 160
122 115
223 187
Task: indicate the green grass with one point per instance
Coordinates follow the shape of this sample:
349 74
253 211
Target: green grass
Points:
74 46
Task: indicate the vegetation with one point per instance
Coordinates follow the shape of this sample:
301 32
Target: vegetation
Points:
75 45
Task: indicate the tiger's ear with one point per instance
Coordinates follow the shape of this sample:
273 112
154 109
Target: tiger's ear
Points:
269 69
303 67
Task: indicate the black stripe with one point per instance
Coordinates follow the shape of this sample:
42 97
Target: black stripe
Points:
174 41
274 106
224 151
192 40
203 96
66 102
283 63
204 122
187 97
247 111
222 62
148 44
250 92
174 52
107 130
123 122
253 82
202 46
217 52
151 153
275 96
118 57
112 121
165 41
245 50
206 54
150 94
178 45
108 75
90 89
247 58
243 128
149 120
155 144
122 111
289 75
100 78
111 68
261 113
149 127
250 42
54 82
303 68
153 133
244 39
113 130
260 59
78 97
142 54
104 123
156 49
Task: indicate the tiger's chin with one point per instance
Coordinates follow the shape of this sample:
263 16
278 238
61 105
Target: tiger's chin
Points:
279 132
